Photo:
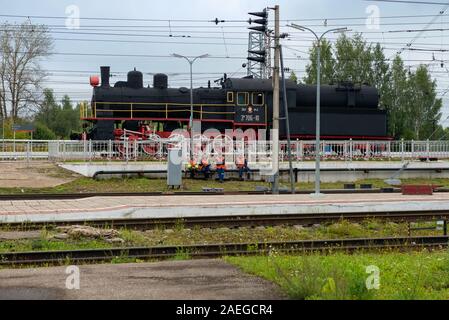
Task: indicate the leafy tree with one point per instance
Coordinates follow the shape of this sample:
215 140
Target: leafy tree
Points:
60 119
327 64
43 133
409 98
425 108
399 101
353 59
380 75
48 109
293 77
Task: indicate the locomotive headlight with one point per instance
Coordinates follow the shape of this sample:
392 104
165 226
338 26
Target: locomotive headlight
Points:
250 110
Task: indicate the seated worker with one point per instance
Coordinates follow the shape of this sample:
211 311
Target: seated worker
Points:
242 166
221 168
204 168
192 168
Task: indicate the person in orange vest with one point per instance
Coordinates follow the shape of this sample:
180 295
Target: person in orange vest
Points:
192 167
205 168
242 166
221 168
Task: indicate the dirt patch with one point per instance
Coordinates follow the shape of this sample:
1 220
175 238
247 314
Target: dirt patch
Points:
33 175
169 280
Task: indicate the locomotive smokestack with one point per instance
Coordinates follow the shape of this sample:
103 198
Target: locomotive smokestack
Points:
105 75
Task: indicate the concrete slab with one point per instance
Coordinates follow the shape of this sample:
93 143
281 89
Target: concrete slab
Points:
333 171
35 174
171 280
98 208
88 169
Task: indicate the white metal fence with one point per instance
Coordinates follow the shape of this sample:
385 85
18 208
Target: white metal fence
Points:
157 150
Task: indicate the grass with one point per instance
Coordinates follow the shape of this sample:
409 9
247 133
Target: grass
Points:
87 185
80 185
180 236
403 276
50 245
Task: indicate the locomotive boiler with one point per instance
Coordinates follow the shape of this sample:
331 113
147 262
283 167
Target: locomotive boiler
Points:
347 110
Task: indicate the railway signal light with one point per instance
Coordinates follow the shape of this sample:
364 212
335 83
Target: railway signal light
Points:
257 55
262 23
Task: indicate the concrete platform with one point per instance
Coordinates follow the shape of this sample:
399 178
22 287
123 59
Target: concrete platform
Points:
333 171
98 208
171 280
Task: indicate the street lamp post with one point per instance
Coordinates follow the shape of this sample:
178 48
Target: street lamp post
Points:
318 103
191 61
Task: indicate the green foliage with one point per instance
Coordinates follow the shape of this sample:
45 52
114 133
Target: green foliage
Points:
410 98
62 119
327 64
43 132
404 276
354 57
293 77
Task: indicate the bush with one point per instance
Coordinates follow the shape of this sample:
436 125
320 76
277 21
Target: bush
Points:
43 133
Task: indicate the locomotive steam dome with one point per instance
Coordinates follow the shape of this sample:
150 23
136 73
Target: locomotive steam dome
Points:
135 79
160 81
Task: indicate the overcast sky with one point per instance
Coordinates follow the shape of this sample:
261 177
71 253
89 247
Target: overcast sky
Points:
69 73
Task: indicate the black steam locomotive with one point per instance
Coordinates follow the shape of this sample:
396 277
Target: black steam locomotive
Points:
347 111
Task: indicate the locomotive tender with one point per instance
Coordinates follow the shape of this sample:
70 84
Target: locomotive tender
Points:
347 111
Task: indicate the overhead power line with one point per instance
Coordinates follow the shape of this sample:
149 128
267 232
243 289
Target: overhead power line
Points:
302 19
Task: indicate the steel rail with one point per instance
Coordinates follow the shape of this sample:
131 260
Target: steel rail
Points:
219 250
242 220
75 196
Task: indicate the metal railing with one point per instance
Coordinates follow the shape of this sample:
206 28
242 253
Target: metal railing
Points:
158 110
136 110
157 150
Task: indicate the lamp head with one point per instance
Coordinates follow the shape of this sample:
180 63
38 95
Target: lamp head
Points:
342 30
296 26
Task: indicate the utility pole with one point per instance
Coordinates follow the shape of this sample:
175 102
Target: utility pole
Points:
287 125
276 95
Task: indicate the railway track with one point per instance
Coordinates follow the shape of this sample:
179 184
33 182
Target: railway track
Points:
244 221
74 196
219 250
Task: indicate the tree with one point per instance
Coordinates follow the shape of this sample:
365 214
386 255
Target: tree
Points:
21 49
293 77
409 98
327 64
353 59
48 109
380 75
424 106
398 100
62 119
43 133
